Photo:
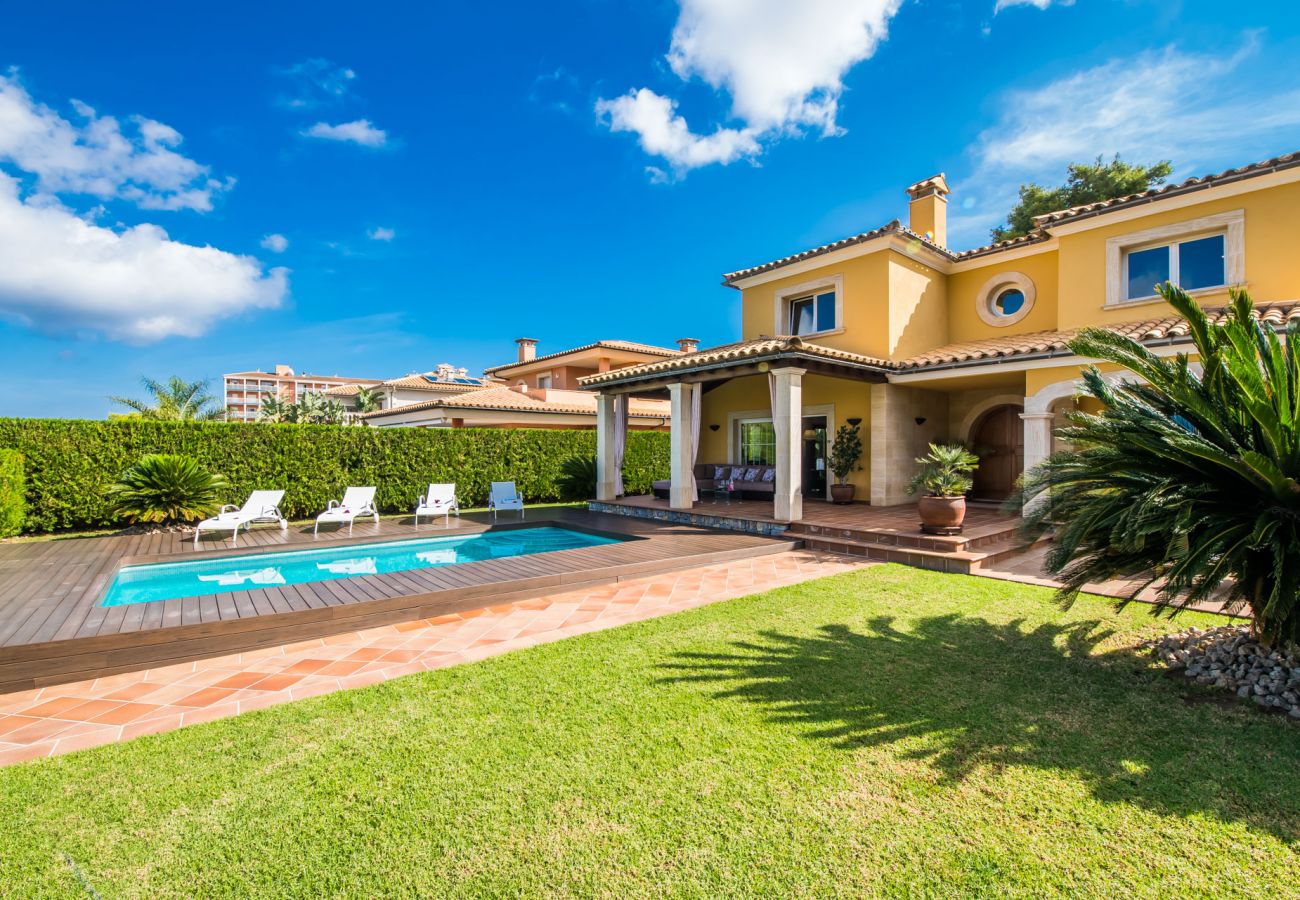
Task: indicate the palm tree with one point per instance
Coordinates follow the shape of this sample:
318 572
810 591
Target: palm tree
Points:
273 409
177 400
1189 480
368 399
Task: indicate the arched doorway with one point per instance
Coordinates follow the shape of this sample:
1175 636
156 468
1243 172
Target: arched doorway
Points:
998 437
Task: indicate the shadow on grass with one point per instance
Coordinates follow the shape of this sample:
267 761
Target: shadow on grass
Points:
968 695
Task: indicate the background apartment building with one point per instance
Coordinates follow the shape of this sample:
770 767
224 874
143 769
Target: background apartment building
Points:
242 392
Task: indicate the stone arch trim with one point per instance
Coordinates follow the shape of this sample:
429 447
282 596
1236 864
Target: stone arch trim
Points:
977 412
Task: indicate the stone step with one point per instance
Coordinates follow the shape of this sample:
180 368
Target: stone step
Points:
958 543
955 561
962 562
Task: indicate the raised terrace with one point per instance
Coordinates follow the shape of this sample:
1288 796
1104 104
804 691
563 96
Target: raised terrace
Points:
53 628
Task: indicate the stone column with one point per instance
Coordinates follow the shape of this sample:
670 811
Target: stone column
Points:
605 447
680 463
787 421
1038 443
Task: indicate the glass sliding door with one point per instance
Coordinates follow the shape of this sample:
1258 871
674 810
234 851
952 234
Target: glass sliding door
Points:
814 457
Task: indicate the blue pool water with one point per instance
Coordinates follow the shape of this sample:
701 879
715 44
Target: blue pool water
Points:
192 578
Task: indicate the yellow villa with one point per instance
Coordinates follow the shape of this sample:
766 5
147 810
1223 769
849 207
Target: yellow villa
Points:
918 342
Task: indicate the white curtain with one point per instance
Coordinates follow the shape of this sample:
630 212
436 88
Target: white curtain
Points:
620 441
780 425
696 392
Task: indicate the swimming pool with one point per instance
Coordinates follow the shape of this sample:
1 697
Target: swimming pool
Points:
193 578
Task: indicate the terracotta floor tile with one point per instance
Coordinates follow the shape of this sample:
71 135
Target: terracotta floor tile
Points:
133 691
205 697
342 667
26 753
365 654
127 712
276 682
39 730
169 722
305 666
89 709
241 680
56 708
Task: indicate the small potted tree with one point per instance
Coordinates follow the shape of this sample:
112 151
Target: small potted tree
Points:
943 481
846 452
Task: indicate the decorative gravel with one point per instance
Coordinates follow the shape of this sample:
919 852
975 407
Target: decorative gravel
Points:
1229 657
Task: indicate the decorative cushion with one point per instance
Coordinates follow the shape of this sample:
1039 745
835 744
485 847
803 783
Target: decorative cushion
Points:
737 473
769 475
720 473
751 474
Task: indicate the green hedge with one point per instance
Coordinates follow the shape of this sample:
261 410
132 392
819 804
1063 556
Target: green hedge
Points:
70 462
12 495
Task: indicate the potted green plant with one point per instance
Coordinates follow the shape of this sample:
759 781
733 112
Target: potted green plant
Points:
943 481
846 452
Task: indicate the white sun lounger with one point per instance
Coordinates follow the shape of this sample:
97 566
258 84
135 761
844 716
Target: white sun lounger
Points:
357 501
439 501
504 495
261 506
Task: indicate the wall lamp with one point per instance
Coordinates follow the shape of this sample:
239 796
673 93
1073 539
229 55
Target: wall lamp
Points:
920 420
714 427
855 421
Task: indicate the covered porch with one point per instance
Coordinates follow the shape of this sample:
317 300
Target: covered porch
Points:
770 408
776 399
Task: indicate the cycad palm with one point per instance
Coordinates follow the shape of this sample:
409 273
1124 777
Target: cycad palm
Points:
1189 480
165 488
176 400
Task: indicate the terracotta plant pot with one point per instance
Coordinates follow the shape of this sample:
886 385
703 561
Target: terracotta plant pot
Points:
842 493
942 515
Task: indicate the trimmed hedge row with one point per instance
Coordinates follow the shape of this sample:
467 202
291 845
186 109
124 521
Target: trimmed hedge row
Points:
12 494
69 463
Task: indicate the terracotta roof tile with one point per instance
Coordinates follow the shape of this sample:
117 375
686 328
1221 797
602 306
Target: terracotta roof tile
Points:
551 401
1042 223
1150 330
427 381
894 227
738 352
630 346
1169 327
1264 167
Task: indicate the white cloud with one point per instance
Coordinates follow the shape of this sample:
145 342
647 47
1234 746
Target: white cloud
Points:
1202 111
781 63
94 155
276 243
316 82
1036 4
359 132
661 132
1161 104
62 273
381 234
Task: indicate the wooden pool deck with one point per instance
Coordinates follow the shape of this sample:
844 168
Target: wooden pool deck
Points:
53 630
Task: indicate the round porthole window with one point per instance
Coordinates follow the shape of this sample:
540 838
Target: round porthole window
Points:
1009 302
1005 299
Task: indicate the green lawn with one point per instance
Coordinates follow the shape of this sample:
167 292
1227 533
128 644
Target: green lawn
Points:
889 732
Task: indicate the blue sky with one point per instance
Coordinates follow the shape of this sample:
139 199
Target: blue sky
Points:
373 189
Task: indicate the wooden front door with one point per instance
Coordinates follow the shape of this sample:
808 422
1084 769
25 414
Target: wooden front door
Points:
999 440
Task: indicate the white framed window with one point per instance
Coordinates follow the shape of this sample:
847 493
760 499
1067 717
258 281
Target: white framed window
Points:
1199 255
544 381
811 308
